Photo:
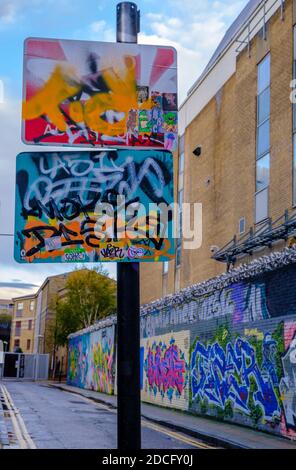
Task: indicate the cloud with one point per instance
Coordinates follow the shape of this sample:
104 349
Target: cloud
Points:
99 30
11 9
7 12
18 285
194 28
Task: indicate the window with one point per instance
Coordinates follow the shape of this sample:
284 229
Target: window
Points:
19 310
18 326
181 169
28 344
261 205
294 128
263 170
165 268
30 325
242 225
16 343
263 141
32 305
180 197
178 255
264 74
294 176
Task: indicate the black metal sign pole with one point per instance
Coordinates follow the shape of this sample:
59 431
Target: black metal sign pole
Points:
128 302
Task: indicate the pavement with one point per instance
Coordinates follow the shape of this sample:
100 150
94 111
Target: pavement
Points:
218 434
38 416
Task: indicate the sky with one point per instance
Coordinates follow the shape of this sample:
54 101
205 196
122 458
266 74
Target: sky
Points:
193 27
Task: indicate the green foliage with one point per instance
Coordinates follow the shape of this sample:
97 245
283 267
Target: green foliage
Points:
90 296
278 336
5 318
222 336
255 411
204 407
228 410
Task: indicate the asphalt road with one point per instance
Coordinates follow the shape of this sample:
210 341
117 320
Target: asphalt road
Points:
56 419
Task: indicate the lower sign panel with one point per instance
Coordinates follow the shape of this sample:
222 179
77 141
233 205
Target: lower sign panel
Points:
111 205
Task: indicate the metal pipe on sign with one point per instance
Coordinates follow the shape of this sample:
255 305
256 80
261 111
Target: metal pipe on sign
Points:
128 301
127 22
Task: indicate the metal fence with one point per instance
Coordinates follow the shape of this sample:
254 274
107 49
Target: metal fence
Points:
25 366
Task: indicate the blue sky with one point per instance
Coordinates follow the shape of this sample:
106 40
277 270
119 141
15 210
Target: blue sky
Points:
194 27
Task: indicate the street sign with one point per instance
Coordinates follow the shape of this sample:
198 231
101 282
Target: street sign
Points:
105 205
81 93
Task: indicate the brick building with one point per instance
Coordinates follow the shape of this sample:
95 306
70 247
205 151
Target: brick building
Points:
236 150
32 315
23 324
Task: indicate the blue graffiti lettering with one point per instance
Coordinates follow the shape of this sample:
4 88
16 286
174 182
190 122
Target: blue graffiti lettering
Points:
221 376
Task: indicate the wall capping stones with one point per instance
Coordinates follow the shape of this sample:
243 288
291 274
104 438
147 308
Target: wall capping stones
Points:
257 267
104 323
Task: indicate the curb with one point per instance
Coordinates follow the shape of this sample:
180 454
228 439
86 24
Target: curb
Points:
207 438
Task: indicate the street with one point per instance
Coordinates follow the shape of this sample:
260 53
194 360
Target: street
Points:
55 419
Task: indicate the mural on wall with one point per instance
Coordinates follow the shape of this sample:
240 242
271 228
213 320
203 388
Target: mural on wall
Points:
271 295
288 382
78 360
91 360
237 362
165 374
96 93
58 199
239 374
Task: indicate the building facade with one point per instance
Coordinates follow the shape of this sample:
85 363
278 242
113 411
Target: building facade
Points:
237 151
53 286
32 317
23 324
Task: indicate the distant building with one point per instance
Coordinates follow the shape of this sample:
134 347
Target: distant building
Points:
32 315
23 324
52 287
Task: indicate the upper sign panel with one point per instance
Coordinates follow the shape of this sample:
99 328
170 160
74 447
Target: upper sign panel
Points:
82 93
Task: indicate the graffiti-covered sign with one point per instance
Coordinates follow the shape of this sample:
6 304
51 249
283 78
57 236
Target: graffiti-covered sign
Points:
99 94
105 205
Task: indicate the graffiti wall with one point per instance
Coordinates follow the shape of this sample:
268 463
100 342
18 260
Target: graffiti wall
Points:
242 353
224 349
91 361
94 94
164 369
